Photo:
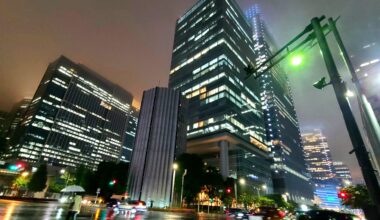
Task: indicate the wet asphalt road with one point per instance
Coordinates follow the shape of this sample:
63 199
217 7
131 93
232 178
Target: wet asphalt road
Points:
19 210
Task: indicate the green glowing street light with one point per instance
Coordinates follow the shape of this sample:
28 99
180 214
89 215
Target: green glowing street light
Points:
296 60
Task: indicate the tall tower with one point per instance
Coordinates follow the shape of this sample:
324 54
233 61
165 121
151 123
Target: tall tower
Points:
318 156
160 138
281 123
212 46
76 117
342 173
16 115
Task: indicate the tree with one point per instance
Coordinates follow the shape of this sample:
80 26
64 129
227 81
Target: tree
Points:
213 181
38 181
193 179
68 178
56 185
247 199
357 196
21 182
278 200
265 201
106 173
85 177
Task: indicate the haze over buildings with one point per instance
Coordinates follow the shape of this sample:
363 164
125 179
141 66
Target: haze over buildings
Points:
116 39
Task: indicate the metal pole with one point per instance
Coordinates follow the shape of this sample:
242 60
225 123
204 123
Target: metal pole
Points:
353 130
371 126
183 179
258 191
171 196
235 186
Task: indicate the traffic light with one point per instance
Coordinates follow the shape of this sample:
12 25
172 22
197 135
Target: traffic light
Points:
16 167
112 182
12 167
343 195
228 190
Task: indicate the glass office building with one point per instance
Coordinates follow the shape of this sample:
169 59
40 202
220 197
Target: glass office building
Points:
282 129
212 46
342 173
75 117
16 115
318 156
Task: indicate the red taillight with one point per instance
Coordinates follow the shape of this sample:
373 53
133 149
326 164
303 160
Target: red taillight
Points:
140 203
281 214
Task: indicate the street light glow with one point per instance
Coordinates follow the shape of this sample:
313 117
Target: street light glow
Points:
296 60
25 174
350 93
62 171
242 181
175 166
264 186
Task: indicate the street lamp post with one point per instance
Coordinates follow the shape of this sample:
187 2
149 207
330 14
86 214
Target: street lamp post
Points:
175 167
265 188
183 180
370 123
63 171
352 127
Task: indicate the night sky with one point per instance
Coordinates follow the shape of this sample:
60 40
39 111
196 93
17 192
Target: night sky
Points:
130 43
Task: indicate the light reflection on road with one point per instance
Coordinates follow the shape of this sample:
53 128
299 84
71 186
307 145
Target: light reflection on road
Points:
18 210
9 212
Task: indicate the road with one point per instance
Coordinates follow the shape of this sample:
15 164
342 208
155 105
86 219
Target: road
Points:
18 210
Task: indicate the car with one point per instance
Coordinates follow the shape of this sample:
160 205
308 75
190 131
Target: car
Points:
133 206
236 213
268 213
326 215
231 210
112 203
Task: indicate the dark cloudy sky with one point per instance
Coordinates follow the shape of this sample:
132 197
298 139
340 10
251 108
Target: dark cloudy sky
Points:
130 43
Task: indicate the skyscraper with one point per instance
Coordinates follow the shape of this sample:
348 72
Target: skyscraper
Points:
75 117
282 129
130 133
16 115
3 123
160 138
212 46
318 156
342 173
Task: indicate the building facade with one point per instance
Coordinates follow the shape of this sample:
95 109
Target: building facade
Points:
281 123
212 46
318 156
16 115
3 123
75 117
342 173
130 134
326 196
160 138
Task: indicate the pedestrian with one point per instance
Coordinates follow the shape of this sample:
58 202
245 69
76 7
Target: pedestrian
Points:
74 208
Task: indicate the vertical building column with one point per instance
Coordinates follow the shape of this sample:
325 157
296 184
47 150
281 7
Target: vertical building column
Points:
223 158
